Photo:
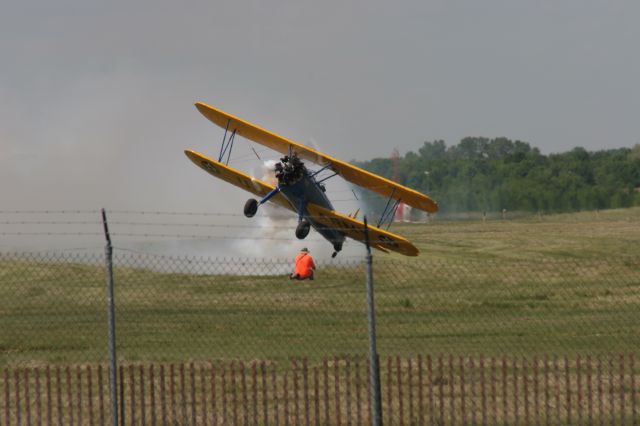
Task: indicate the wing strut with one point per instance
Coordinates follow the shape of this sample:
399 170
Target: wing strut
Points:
327 178
389 213
321 170
316 173
393 213
227 144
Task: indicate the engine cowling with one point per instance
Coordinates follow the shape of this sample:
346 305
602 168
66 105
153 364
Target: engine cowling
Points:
289 170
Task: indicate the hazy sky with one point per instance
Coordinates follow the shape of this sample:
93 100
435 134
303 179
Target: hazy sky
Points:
97 97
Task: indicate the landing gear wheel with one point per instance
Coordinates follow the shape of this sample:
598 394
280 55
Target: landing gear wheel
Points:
302 230
250 207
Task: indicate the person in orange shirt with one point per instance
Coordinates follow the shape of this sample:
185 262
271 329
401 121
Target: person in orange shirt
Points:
304 266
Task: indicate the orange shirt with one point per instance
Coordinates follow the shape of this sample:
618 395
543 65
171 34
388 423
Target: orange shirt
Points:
304 265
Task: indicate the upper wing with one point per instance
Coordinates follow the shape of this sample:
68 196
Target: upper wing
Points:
236 177
378 238
351 173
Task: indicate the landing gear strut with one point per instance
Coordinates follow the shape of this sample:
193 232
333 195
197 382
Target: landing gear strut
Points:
337 247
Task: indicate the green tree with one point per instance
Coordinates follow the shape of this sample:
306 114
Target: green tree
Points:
481 174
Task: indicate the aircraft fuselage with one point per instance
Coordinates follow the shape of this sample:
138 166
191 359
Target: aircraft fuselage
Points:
306 190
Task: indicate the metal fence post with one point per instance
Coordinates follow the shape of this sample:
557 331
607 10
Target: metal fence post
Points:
374 365
113 381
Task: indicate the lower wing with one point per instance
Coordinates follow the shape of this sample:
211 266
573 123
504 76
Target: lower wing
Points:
236 177
378 238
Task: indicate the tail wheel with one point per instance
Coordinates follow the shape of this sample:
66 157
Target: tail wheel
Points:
250 207
302 230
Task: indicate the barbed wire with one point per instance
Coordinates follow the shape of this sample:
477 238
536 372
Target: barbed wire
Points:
156 212
50 233
313 239
149 224
140 212
125 223
136 212
5 249
284 260
75 211
162 224
148 235
173 213
49 222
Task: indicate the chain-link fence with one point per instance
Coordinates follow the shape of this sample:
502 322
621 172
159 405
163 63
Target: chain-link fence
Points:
492 339
175 309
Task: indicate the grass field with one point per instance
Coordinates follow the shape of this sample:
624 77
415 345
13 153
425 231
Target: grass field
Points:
585 235
561 284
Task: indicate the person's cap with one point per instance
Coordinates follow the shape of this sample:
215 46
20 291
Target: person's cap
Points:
305 249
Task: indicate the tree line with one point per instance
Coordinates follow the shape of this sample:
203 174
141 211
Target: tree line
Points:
484 175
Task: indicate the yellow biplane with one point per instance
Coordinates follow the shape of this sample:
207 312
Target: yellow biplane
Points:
300 190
